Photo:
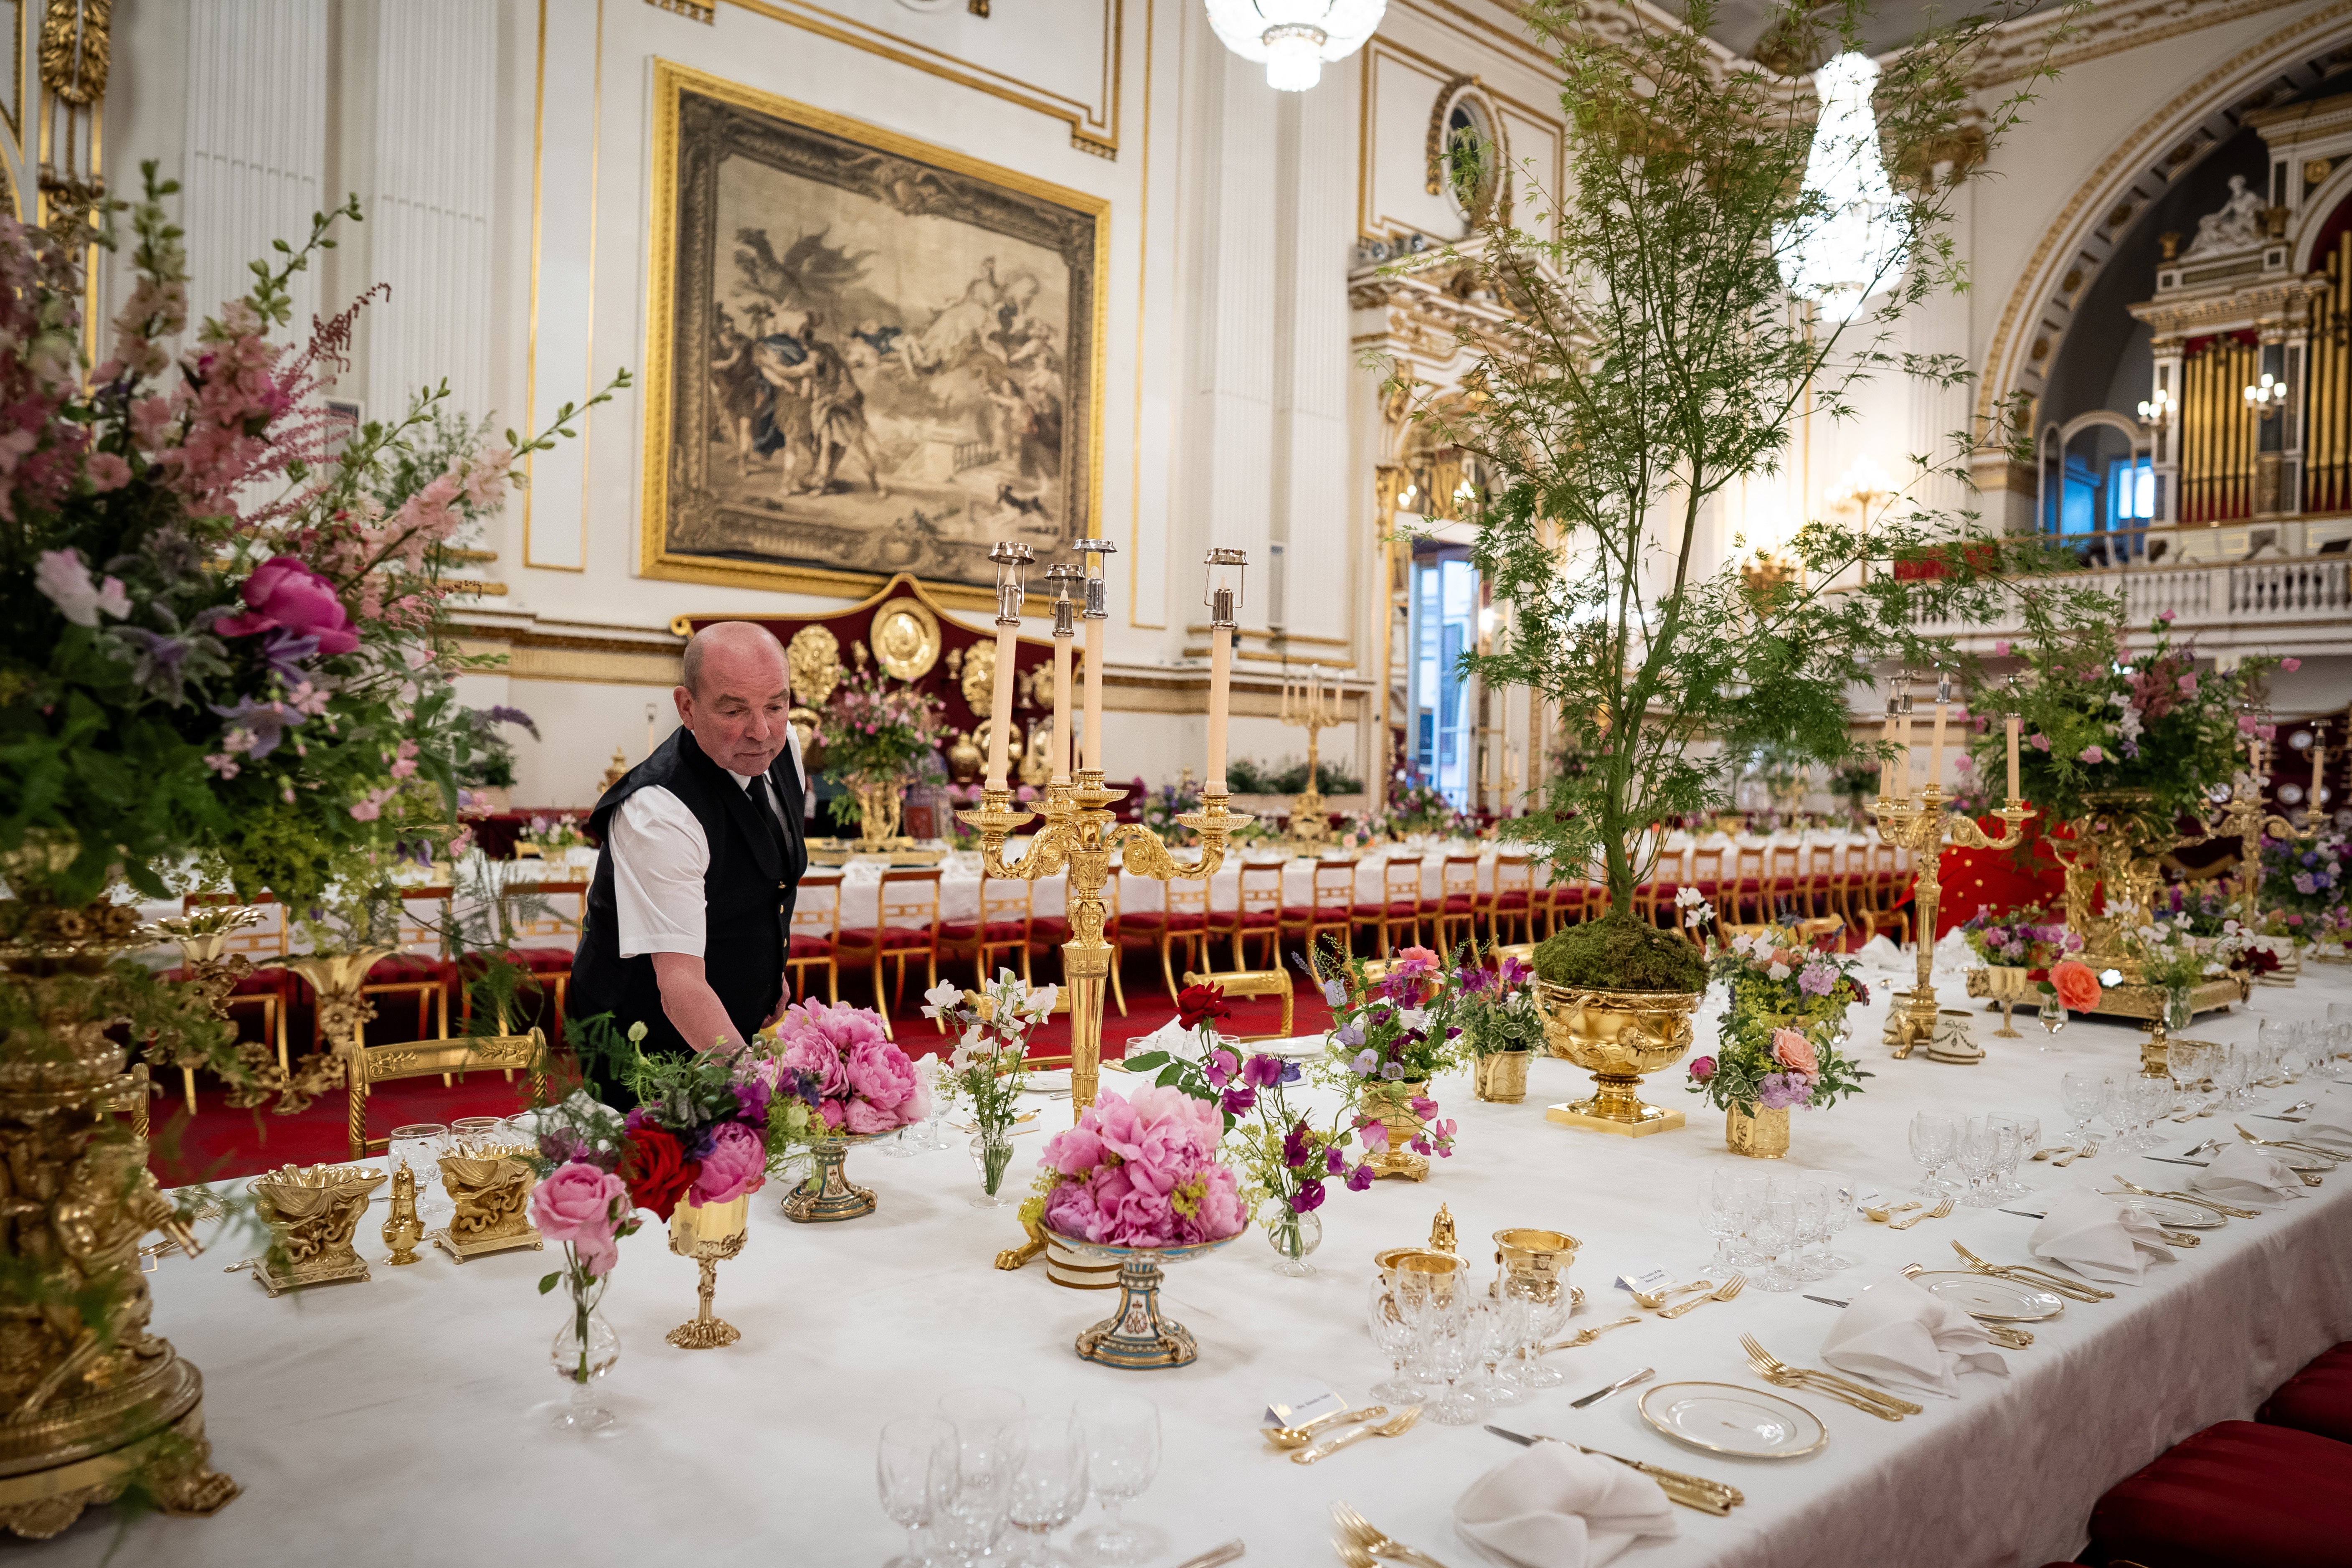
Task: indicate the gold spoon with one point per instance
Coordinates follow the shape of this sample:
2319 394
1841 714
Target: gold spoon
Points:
1299 1436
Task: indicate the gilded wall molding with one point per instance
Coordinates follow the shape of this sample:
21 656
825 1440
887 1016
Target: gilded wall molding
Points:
2108 29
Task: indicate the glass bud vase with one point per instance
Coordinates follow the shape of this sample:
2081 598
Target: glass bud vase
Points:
991 1153
584 1349
2053 1012
1294 1235
2178 1009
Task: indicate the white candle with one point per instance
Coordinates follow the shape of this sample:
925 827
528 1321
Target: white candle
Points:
1061 709
999 705
2013 795
1904 775
1936 753
1221 670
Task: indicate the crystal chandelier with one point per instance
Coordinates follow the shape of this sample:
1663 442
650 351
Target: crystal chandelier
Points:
1294 37
1852 244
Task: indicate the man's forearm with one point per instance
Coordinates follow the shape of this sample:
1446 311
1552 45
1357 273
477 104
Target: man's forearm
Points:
692 1007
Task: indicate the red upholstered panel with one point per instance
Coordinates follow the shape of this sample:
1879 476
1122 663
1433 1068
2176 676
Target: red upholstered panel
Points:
1405 910
543 959
1457 905
404 967
998 931
1337 914
1053 931
1145 922
2236 1495
809 947
1511 901
2318 1399
892 936
1257 920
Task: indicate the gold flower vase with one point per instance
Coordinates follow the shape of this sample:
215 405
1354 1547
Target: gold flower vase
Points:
1136 1337
879 810
1392 1104
1618 1036
1762 1136
1500 1078
829 1195
710 1233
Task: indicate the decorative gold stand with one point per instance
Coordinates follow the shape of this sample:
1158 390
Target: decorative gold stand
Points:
492 1196
1920 824
2006 985
2249 820
1311 707
828 1196
710 1233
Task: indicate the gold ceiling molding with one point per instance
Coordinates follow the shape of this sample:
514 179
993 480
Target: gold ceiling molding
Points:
2108 29
1094 127
2108 186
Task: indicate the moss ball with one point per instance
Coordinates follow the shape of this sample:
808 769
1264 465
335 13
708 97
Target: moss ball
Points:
1617 953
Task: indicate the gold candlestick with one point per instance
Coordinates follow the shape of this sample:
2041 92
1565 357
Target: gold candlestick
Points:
1315 708
2249 820
1919 822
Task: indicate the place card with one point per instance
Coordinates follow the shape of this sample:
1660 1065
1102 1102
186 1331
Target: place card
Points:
1651 1278
1297 1404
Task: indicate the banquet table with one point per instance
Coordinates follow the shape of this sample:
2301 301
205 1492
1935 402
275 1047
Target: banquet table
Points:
385 1421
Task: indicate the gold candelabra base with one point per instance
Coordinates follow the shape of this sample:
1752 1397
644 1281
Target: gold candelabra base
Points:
1920 824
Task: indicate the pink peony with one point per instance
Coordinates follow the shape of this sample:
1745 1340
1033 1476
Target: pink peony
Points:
2290 665
832 1112
864 1116
881 1074
283 592
736 1164
2000 649
1702 1068
2093 755
1791 1049
575 1204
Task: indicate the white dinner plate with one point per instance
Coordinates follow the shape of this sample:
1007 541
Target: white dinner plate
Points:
1725 1419
1993 1300
2172 1212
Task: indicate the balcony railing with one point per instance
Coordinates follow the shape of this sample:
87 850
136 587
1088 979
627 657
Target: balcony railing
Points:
2302 606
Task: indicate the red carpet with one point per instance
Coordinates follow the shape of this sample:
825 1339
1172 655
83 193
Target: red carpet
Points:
218 1143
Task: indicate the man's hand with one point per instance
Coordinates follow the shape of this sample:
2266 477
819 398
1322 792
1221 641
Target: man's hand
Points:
691 1005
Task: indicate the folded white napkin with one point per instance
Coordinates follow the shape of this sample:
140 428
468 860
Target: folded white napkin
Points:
1172 1037
2326 1128
2098 1237
2243 1174
1896 1334
1551 1506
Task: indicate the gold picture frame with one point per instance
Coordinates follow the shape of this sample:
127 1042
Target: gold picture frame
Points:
1026 372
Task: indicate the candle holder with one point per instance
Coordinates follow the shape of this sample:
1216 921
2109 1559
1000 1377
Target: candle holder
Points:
1309 706
1920 824
2249 819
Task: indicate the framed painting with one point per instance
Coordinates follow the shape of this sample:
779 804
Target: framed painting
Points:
866 355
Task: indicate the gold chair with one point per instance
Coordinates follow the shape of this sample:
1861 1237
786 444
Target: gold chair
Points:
1782 884
1183 917
1456 902
1750 900
1399 905
1260 914
1656 892
1511 902
264 988
1006 922
1331 906
372 1065
541 944
1253 983
906 927
815 939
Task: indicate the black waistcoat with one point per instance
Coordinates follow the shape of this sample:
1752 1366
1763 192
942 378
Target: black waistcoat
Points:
747 894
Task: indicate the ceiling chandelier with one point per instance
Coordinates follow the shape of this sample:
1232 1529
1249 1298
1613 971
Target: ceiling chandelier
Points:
1294 37
1852 243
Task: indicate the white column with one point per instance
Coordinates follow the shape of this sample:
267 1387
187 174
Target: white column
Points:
436 124
1311 501
254 168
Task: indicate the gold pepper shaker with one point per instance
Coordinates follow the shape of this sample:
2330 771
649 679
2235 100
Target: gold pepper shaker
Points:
402 1228
1440 1231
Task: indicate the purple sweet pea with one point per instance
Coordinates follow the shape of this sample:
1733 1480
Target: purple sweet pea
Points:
1350 1035
1308 1198
1334 1162
1219 1066
1262 1072
1365 1064
1359 1178
1240 1101
1335 992
1294 1148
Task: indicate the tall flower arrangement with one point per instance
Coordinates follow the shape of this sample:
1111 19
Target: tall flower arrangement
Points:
2305 887
1782 1027
223 634
877 734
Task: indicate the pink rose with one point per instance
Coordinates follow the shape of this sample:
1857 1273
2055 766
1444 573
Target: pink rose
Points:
736 1164
2290 665
1702 1068
880 1072
575 1204
1791 1049
2000 649
283 592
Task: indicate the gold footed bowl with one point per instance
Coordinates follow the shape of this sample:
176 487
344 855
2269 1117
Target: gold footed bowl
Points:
1136 1338
1618 1036
710 1233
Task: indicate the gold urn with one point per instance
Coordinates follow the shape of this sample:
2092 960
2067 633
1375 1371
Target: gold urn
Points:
1763 1136
1500 1078
1618 1036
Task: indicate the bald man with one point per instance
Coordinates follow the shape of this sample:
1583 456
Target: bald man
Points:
702 850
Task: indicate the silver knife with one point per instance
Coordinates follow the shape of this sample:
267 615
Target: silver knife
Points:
1598 1395
2168 1160
1229 1552
1828 1301
2025 1214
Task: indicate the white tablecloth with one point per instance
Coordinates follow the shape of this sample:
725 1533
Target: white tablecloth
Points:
381 1422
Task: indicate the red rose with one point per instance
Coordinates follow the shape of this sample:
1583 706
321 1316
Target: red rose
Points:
1196 1005
657 1171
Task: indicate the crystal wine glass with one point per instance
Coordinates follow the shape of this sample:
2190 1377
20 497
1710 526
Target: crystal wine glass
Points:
974 1516
1935 1134
2029 1139
1393 1336
419 1146
1844 1192
1045 1459
1548 1307
2085 1096
1122 1440
1720 1221
1775 1230
1505 1320
915 1467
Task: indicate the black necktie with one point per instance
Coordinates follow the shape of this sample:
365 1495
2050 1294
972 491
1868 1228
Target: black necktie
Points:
763 801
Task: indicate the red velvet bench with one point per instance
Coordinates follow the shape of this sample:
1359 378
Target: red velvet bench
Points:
2319 1399
2239 1494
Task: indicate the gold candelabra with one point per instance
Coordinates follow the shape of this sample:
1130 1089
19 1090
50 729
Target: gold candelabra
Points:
1314 707
1916 821
2249 820
1079 833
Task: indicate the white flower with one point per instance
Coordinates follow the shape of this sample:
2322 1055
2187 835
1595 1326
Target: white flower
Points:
1041 999
63 576
1686 897
1414 1018
1777 972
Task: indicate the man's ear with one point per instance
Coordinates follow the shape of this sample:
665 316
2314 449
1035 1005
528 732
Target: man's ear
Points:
684 701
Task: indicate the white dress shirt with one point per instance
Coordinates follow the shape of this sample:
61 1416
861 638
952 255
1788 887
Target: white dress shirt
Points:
659 855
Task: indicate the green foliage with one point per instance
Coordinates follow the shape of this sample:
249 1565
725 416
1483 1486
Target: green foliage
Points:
1246 776
1655 360
1619 953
